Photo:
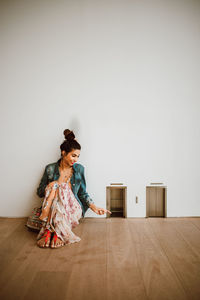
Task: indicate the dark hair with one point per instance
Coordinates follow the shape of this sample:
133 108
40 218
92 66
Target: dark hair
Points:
70 143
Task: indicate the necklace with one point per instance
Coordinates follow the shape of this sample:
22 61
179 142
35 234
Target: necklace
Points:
66 175
65 172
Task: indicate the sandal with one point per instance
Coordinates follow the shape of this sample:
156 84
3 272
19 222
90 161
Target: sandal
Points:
47 234
54 239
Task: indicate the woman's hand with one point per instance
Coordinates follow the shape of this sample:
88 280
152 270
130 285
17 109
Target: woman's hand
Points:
99 210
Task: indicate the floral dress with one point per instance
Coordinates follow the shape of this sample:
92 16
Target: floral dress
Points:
65 213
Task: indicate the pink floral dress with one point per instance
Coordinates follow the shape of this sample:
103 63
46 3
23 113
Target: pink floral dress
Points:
65 213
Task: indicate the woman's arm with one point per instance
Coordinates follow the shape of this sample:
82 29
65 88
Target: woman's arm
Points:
82 193
99 210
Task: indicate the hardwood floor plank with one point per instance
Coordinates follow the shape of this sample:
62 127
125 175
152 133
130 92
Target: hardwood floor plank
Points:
14 239
117 258
184 261
159 278
190 233
88 277
195 221
21 273
8 225
123 272
48 285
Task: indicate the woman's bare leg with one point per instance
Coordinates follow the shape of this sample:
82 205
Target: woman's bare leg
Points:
45 216
47 205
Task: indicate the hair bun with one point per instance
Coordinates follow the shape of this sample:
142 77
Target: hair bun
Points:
69 135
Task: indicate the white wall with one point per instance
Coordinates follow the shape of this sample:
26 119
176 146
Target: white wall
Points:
124 75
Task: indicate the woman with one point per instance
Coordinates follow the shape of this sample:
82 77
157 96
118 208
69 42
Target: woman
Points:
63 187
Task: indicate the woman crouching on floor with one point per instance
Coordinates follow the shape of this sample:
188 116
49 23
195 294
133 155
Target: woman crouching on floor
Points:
63 187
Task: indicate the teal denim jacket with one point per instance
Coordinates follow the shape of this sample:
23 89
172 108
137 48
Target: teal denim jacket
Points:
77 180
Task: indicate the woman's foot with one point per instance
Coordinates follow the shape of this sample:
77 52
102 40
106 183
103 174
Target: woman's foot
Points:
44 241
56 242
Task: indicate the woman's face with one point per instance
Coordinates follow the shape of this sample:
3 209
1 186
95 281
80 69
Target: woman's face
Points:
72 157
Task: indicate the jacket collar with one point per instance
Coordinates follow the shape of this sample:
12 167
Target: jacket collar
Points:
57 172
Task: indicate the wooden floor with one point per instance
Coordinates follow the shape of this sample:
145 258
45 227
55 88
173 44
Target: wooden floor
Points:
154 258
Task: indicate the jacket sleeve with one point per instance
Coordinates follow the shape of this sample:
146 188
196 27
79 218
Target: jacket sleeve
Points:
82 193
43 183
